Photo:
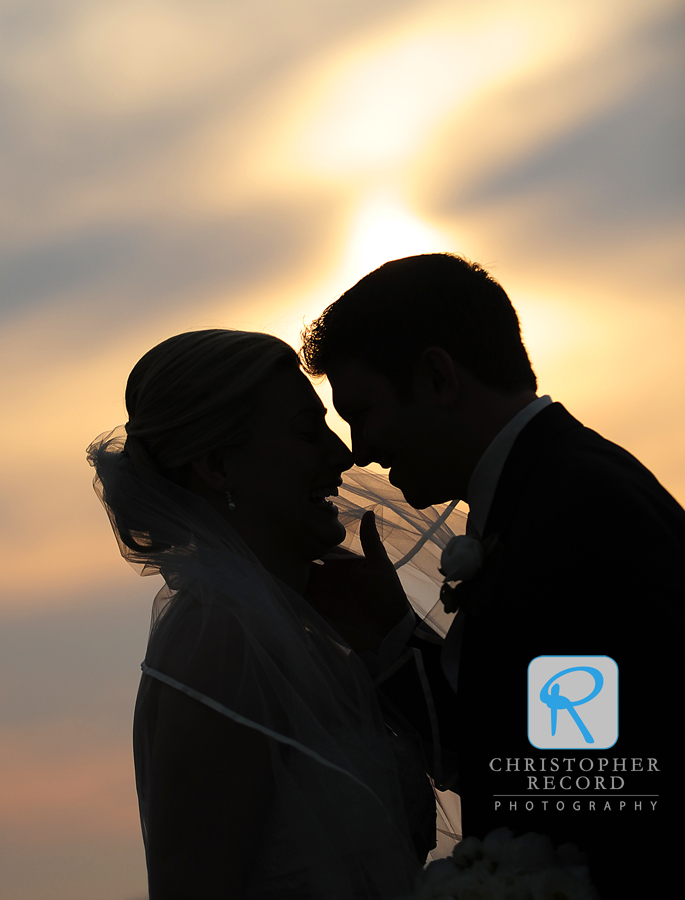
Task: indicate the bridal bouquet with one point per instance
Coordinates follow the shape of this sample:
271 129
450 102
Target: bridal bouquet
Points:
504 867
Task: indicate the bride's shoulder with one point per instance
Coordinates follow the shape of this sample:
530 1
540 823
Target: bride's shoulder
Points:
187 628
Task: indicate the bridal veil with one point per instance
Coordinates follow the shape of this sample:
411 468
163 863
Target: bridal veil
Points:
236 639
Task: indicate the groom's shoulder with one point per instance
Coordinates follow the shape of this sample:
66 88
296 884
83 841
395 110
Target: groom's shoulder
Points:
566 444
562 435
580 465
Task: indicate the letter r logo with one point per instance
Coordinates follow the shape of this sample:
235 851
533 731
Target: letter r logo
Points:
572 702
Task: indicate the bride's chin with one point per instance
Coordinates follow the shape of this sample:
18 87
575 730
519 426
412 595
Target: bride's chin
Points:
333 535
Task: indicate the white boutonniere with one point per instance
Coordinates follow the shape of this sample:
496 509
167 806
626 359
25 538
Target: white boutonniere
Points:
461 560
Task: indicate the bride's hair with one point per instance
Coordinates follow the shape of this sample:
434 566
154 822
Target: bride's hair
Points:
191 394
197 392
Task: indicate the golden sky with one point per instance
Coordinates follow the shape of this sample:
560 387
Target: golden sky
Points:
179 164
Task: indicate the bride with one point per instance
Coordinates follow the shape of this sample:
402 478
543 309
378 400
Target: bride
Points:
264 766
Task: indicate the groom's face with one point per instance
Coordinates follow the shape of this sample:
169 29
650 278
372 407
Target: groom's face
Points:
388 429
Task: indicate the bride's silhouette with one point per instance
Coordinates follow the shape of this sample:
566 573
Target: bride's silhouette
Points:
264 766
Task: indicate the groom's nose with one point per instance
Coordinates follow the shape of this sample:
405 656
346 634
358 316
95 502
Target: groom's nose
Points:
361 449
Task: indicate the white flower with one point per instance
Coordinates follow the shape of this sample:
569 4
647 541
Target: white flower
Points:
527 853
504 867
568 855
439 872
467 851
439 879
561 884
462 558
496 843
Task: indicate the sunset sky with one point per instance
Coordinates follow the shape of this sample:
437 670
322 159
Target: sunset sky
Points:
177 164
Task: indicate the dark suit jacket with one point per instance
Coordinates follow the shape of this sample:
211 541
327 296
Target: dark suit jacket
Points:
590 560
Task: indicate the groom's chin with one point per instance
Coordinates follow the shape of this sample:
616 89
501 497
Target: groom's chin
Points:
422 498
419 493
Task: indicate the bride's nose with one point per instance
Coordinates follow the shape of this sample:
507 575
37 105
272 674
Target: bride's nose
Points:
339 454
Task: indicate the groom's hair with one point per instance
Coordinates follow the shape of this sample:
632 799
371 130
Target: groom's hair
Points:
435 300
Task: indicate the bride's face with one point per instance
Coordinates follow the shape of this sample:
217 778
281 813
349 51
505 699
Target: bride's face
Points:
280 477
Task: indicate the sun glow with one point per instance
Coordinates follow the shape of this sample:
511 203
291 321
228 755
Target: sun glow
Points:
376 105
383 228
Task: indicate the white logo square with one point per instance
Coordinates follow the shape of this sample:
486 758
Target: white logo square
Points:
572 702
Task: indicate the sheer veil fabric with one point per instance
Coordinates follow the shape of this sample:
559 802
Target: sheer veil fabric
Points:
233 637
413 538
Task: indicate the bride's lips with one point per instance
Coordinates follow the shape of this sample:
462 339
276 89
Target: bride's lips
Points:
318 496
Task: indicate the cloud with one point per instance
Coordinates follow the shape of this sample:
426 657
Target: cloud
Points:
80 663
69 820
615 169
175 164
110 275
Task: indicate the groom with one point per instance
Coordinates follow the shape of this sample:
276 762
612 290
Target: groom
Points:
584 555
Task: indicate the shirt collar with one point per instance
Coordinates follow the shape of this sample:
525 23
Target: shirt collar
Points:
483 482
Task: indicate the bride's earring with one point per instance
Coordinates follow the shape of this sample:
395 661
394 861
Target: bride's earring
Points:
229 497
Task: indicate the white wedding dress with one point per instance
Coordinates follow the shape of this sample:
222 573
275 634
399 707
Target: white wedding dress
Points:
351 798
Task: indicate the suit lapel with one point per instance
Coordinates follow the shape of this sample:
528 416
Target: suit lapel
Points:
528 460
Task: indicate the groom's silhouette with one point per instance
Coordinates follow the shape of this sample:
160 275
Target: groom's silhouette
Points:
586 555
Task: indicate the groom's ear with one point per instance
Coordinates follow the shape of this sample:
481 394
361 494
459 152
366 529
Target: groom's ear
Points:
436 379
